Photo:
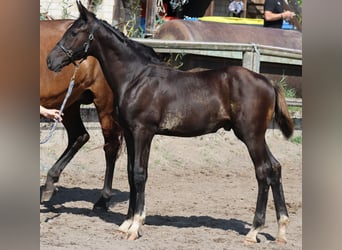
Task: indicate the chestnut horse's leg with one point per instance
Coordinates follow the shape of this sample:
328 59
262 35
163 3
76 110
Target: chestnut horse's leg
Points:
77 137
112 134
142 139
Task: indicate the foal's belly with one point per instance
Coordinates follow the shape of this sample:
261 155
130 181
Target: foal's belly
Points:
191 123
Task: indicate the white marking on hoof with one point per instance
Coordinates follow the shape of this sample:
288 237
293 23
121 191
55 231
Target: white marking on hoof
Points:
46 195
143 216
125 226
132 236
283 222
133 232
251 236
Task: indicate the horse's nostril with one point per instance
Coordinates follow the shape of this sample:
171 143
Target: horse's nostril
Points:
48 62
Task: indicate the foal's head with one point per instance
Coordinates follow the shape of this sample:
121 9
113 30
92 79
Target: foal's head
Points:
76 41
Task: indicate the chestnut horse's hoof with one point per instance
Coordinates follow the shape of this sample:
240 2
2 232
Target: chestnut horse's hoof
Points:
47 194
100 206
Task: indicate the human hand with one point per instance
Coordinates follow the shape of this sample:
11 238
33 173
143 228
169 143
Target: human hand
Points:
288 15
51 113
54 114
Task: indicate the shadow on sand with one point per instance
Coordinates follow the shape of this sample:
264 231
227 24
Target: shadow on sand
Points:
65 195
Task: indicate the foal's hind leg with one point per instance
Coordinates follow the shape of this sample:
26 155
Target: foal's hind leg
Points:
256 145
267 171
257 151
279 199
77 137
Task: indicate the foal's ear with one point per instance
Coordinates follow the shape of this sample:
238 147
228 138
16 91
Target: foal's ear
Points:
83 10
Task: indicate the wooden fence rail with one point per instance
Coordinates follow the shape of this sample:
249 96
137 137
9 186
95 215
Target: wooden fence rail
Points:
250 54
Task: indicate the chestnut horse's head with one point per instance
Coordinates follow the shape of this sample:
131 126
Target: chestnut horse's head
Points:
76 41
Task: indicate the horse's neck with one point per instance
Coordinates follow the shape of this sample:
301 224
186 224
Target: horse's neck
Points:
118 68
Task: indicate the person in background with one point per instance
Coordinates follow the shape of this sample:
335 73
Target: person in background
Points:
274 14
50 113
235 8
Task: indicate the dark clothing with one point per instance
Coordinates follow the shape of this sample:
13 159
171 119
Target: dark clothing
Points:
275 6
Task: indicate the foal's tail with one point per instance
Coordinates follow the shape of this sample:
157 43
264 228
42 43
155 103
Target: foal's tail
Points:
282 115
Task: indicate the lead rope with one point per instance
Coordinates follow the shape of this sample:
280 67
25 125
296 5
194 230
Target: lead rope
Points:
71 85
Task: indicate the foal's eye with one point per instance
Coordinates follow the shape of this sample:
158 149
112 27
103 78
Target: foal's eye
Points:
73 33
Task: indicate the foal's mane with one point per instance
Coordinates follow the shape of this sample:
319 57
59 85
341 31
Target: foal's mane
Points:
141 49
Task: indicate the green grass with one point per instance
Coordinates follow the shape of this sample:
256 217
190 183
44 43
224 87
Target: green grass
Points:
289 92
157 162
296 139
294 109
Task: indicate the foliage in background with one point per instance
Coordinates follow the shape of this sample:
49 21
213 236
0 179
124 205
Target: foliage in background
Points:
289 92
132 27
296 139
65 6
296 6
44 14
93 5
175 60
294 111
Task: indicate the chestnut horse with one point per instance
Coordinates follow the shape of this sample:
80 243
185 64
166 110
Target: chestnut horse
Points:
90 86
153 98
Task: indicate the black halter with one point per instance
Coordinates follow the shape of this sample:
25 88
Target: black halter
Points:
84 48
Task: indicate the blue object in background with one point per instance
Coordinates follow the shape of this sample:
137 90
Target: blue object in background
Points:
287 26
191 18
142 23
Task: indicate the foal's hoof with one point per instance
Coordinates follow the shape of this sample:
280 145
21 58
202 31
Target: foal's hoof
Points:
250 241
120 233
281 241
251 238
132 236
127 236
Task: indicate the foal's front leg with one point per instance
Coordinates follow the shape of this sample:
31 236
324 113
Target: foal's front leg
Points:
142 139
124 227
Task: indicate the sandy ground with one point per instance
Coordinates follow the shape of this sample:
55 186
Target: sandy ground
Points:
200 194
